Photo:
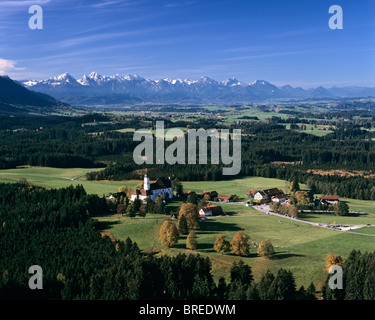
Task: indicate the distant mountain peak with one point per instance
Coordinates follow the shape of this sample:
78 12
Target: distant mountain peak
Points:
114 89
94 75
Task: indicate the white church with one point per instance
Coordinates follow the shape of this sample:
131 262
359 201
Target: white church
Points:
162 186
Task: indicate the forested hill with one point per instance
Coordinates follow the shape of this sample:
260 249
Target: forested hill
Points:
16 99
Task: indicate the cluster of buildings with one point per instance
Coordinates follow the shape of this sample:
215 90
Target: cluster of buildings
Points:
274 194
163 187
277 195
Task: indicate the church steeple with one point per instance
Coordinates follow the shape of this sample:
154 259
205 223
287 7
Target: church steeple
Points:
146 182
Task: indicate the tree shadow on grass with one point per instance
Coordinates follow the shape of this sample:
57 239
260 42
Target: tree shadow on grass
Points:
281 256
208 227
105 225
206 247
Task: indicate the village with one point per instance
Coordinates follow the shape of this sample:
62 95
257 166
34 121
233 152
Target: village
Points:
269 201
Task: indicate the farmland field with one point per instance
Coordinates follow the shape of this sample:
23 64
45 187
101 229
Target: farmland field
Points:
299 247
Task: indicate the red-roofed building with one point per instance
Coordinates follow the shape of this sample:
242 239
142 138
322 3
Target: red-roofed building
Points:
211 211
223 198
330 199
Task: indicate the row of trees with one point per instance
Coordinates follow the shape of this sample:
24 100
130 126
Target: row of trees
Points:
240 245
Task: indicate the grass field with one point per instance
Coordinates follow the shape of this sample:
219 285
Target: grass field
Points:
59 178
239 187
299 247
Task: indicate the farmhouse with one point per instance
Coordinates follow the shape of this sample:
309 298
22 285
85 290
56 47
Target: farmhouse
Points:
115 196
251 192
330 199
210 210
162 187
279 198
267 194
211 194
223 198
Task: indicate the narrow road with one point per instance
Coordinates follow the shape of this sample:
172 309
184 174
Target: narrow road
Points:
266 209
81 175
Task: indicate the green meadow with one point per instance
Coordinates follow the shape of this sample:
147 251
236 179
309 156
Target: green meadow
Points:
299 247
60 178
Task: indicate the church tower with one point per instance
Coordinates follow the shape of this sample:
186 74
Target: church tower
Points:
146 182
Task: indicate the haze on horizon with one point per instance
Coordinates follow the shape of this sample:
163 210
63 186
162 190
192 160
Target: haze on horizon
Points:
286 42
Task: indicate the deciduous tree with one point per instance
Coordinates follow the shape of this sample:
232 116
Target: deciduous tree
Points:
168 234
333 259
266 249
182 225
221 245
191 240
240 245
191 213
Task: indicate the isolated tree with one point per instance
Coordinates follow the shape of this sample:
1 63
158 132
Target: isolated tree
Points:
201 287
293 211
240 245
222 289
137 204
131 211
191 240
125 190
302 197
192 198
177 187
333 259
310 292
221 245
294 185
241 278
142 211
126 202
121 209
150 206
183 225
139 186
159 205
283 287
265 249
207 197
264 286
168 234
341 209
191 213
241 272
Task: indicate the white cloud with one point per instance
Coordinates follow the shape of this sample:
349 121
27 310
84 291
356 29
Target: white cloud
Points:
104 4
8 65
19 3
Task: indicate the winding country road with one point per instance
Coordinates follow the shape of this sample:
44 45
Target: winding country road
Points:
266 209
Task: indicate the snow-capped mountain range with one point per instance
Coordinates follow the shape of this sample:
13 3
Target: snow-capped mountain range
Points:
95 89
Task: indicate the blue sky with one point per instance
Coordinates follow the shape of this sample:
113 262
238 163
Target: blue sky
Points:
284 42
